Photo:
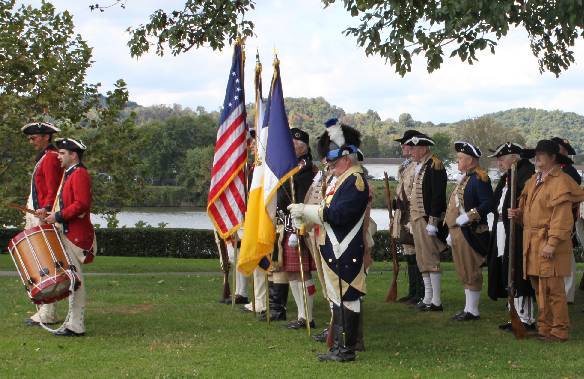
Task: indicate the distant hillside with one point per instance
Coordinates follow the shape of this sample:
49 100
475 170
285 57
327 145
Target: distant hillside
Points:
310 113
537 124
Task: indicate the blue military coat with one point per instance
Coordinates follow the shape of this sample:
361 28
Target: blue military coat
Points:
343 215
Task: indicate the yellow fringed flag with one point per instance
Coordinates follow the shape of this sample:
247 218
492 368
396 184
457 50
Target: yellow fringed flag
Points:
275 163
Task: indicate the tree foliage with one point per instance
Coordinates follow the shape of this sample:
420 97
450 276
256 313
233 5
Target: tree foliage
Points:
396 30
43 66
199 23
113 154
43 62
486 133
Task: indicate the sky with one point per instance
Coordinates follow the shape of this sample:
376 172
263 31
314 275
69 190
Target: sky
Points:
316 59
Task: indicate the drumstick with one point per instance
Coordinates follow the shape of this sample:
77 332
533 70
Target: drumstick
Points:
20 208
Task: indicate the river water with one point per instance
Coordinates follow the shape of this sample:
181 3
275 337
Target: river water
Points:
191 218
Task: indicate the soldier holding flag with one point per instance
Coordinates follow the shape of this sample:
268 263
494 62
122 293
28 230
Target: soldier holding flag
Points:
342 215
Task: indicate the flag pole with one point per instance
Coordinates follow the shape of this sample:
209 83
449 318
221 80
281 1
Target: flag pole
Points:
300 233
258 96
268 316
234 245
241 42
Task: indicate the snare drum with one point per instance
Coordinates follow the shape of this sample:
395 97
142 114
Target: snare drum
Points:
43 264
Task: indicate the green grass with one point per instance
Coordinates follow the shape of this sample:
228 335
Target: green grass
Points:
136 265
172 326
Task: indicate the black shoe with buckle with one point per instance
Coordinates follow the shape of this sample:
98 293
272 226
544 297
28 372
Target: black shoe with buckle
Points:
67 333
404 299
465 316
413 301
421 306
433 308
299 324
322 336
245 309
507 327
31 322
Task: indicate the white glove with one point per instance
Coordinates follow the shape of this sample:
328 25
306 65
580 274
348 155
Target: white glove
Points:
449 240
297 222
296 210
432 230
462 220
308 212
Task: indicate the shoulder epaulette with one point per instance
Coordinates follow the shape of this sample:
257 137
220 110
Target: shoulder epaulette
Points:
482 174
359 183
437 163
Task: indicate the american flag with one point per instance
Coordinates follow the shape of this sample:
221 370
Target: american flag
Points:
226 202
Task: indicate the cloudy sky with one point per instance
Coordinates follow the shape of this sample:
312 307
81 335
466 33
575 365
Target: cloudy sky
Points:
317 60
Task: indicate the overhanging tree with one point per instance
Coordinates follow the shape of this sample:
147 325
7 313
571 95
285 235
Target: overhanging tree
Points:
43 66
396 30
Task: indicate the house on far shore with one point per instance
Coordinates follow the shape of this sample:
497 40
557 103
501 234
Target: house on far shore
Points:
377 166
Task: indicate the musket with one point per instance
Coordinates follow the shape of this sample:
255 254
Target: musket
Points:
225 266
392 293
516 324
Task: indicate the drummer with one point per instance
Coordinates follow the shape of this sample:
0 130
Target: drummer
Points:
71 214
44 184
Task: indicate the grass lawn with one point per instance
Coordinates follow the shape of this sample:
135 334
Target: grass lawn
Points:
167 325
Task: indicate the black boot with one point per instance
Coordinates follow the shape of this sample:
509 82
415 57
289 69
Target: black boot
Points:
345 338
411 260
278 297
418 283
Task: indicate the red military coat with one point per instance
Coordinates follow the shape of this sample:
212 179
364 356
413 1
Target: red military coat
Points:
74 207
45 179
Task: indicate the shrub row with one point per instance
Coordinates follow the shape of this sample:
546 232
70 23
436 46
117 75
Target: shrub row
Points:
184 243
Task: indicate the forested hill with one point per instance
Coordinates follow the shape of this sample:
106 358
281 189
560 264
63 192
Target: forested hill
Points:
536 124
527 125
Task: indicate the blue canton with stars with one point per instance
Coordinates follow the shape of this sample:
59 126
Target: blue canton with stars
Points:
234 95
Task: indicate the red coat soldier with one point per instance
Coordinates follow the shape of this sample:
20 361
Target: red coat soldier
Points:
71 213
47 172
44 184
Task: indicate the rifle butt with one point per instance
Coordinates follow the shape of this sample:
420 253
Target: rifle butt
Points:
226 288
329 336
392 293
516 325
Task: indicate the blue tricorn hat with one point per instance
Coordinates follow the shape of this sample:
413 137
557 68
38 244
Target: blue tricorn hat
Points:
467 148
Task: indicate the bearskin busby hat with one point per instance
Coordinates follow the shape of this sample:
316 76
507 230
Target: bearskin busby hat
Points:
339 140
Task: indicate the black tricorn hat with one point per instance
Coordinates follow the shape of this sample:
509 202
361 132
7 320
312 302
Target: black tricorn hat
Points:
70 144
550 147
506 149
39 128
419 140
565 144
300 135
407 135
467 148
345 140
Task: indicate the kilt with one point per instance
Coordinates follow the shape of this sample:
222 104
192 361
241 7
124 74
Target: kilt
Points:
291 261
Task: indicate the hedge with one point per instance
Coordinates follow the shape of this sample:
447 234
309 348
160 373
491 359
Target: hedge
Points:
184 243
